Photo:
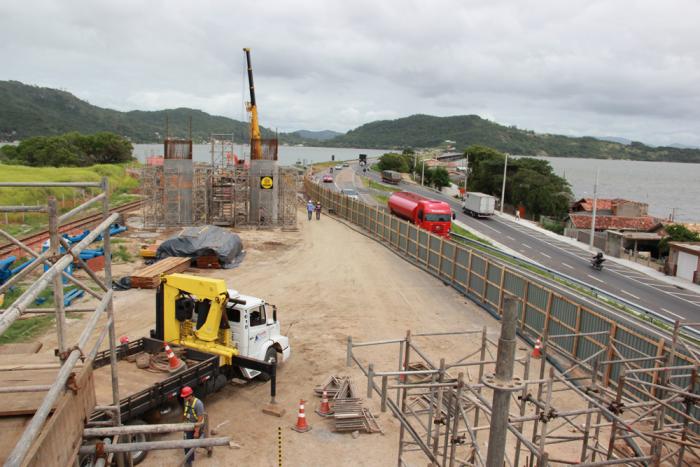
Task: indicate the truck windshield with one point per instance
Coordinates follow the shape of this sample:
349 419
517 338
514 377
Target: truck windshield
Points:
438 217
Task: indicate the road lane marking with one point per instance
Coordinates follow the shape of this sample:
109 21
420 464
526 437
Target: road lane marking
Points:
564 264
595 278
545 254
526 245
510 237
631 295
671 313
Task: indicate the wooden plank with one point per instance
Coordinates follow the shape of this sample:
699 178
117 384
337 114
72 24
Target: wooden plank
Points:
20 348
24 403
11 429
149 277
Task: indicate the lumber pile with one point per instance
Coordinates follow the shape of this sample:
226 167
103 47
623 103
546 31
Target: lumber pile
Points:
149 277
349 414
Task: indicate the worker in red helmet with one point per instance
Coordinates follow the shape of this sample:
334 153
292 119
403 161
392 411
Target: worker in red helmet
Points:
193 413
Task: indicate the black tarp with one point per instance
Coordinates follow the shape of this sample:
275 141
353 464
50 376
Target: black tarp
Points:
208 240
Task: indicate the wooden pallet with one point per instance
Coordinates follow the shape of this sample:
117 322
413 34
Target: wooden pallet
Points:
149 277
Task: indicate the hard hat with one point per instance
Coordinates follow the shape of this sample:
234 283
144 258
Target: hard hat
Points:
186 391
124 340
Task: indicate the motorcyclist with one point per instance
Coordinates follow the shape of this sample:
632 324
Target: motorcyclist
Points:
598 259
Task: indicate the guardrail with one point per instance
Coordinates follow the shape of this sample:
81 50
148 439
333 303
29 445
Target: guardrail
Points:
634 307
578 333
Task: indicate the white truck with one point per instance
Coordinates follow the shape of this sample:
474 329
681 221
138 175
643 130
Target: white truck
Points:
479 204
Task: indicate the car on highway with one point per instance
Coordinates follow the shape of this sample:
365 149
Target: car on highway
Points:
350 193
328 178
339 167
345 164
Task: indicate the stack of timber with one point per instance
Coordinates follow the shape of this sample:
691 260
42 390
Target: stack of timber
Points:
349 414
149 277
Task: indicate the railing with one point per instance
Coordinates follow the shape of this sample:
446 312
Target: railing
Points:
543 311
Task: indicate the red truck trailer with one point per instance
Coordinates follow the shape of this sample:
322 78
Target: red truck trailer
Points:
429 214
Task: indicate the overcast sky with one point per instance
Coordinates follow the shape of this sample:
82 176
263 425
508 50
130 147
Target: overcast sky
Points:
601 68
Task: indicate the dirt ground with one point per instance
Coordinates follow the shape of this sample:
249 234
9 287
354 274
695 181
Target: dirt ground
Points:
329 282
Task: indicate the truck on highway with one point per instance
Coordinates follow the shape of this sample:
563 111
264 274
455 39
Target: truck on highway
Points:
429 214
221 334
478 204
390 176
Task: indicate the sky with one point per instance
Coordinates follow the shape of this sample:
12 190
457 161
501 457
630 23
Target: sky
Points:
619 68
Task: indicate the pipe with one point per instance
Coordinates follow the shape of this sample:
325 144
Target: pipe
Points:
15 310
64 217
159 445
134 429
504 374
22 208
50 184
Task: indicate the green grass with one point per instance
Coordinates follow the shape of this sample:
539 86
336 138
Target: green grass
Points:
465 233
122 254
382 199
378 186
24 330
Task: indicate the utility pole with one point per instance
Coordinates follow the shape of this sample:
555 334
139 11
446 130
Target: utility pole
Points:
466 174
673 214
595 205
503 190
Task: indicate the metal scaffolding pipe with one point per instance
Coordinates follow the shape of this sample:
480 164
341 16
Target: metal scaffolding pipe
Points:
50 184
135 429
23 208
30 388
64 217
34 426
504 374
158 445
15 310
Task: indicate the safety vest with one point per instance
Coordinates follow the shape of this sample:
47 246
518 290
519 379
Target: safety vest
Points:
189 415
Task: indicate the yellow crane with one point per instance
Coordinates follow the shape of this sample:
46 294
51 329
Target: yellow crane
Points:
255 138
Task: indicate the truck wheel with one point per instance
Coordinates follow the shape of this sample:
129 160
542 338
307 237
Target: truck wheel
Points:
269 355
137 456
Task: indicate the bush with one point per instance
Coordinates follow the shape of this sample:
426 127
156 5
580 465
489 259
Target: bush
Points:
397 162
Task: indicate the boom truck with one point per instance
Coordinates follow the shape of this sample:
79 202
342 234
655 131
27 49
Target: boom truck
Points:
225 335
255 137
429 214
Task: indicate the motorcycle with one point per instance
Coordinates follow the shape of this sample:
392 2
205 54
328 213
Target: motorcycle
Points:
597 263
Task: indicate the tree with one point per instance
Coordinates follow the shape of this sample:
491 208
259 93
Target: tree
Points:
392 161
439 177
677 233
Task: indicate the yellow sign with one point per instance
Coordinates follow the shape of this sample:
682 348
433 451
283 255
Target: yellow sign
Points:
266 183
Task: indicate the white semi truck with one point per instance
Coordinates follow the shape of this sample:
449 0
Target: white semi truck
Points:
479 204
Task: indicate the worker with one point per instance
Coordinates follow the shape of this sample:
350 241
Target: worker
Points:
310 208
318 210
193 413
517 214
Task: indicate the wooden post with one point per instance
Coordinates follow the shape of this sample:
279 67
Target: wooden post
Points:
526 289
657 364
547 311
610 354
485 278
500 290
577 330
469 270
454 265
439 266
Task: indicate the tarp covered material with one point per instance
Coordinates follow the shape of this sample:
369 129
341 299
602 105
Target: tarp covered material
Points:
208 240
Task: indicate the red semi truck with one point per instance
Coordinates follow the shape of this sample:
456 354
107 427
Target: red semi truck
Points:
429 214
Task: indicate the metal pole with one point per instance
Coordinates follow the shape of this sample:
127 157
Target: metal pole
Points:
158 445
503 189
135 429
503 378
54 248
110 305
422 172
482 357
466 174
523 394
595 205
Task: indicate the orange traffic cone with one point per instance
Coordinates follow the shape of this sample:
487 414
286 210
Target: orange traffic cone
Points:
537 352
174 363
325 409
301 426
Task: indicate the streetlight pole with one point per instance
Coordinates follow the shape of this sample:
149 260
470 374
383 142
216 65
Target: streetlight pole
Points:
503 189
595 205
422 172
466 174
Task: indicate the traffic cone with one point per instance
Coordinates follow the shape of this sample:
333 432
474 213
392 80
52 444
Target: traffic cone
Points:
537 352
174 363
325 409
301 426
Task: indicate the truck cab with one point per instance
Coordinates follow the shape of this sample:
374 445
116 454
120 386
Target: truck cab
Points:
255 330
435 217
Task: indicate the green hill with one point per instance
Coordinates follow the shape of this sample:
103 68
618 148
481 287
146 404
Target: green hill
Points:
424 131
35 111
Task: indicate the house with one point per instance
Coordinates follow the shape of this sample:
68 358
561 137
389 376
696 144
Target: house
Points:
610 222
684 260
611 207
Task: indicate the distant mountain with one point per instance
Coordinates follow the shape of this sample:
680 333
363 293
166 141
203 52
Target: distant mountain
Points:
316 135
35 111
614 139
682 146
424 131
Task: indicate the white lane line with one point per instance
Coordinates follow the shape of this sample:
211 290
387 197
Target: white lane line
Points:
483 224
510 237
564 264
595 278
545 254
631 295
672 313
526 245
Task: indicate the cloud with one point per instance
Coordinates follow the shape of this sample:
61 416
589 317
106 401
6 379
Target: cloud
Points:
578 67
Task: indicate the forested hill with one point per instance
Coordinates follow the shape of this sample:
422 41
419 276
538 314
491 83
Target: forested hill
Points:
27 111
423 131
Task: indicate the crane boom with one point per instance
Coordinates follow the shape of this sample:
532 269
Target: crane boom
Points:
255 138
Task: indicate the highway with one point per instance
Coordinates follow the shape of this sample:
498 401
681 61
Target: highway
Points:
667 300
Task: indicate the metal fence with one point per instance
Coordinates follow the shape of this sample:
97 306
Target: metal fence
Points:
568 325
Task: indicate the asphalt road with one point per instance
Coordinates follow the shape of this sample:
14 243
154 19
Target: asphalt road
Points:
667 300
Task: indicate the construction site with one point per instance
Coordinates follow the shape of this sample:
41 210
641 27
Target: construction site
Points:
353 340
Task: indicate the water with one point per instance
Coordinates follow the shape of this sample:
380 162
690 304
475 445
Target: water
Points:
662 185
287 155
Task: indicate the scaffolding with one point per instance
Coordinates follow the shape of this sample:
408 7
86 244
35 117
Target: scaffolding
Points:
70 399
534 414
